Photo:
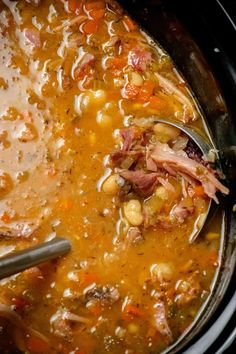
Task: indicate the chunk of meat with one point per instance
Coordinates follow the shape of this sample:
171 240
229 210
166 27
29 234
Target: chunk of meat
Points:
32 35
179 162
60 326
194 153
19 229
139 59
181 211
160 321
125 159
144 182
61 322
106 295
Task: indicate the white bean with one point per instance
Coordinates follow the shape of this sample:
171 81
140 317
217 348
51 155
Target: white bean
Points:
162 271
136 79
110 185
162 193
133 212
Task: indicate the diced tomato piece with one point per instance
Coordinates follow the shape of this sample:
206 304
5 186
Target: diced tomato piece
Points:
37 345
97 14
89 278
146 91
90 27
129 23
95 5
131 91
131 311
74 5
79 73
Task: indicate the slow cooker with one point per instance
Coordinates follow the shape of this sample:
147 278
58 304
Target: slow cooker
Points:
200 37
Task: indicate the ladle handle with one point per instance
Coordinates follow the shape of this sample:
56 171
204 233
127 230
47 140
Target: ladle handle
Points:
33 256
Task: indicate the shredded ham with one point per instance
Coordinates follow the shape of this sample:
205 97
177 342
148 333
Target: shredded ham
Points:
128 137
181 211
33 37
139 59
180 163
160 321
166 184
144 183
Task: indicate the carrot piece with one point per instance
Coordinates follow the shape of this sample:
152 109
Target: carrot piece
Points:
37 345
90 26
5 218
156 103
131 91
95 5
199 191
146 91
132 311
73 5
89 278
129 23
97 14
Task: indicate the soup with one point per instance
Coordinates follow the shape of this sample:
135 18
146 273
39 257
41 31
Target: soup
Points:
84 156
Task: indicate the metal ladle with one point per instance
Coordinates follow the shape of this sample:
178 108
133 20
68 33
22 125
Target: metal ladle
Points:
33 256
